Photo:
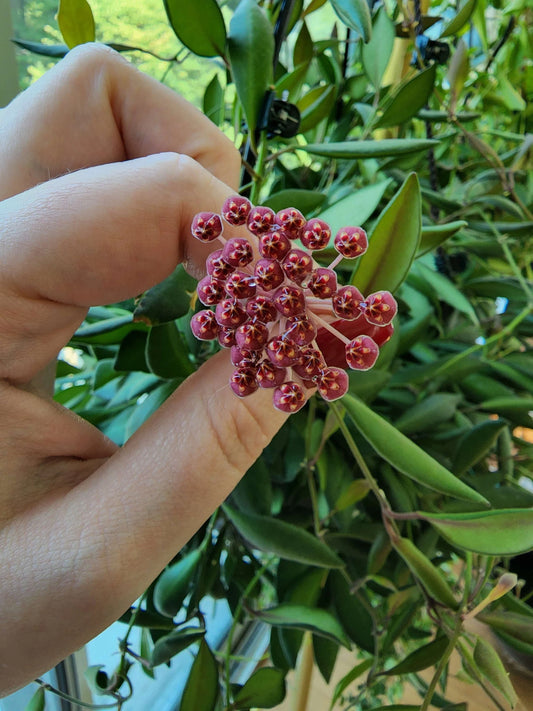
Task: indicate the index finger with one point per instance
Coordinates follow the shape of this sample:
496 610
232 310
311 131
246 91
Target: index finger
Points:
94 108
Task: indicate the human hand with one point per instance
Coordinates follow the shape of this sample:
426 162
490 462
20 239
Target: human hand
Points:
102 171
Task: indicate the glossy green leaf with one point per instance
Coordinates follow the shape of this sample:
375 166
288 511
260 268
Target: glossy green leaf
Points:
462 17
408 99
264 689
499 532
369 149
516 409
490 665
299 617
253 494
283 539
434 235
405 455
422 658
199 25
393 242
425 572
201 689
131 353
76 22
168 300
173 584
351 612
315 106
304 200
147 618
213 103
348 679
106 332
148 406
457 74
355 15
376 53
37 701
171 644
356 208
251 56
166 352
428 413
476 444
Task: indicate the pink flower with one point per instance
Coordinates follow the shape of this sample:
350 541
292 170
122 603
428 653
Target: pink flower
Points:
290 326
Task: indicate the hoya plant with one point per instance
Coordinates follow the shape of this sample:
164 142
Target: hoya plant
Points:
385 263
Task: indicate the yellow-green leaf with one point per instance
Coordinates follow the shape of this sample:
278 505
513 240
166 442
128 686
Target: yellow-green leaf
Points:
460 19
490 665
408 99
376 53
76 22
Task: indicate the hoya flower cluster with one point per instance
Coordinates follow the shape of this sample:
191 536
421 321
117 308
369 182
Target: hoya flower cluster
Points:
289 324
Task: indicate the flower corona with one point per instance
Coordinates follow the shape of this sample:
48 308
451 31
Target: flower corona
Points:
289 325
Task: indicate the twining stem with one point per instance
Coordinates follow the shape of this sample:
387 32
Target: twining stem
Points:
73 700
258 178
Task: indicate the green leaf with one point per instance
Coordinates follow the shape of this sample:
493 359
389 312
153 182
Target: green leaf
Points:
355 491
37 701
409 98
48 50
131 353
325 652
404 454
253 494
512 623
76 22
425 572
315 106
393 243
351 612
304 200
500 532
171 644
213 103
264 689
98 681
445 290
476 444
434 235
355 15
303 48
422 658
300 617
462 17
148 406
376 53
166 352
173 584
251 55
106 332
356 208
369 149
347 679
283 539
166 301
490 665
431 411
147 619
201 689
443 116
199 25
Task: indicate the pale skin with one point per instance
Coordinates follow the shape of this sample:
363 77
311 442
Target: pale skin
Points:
102 170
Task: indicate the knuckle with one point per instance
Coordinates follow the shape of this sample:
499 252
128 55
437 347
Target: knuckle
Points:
92 56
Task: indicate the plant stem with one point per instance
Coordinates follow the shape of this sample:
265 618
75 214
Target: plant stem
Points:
354 449
235 622
304 674
258 177
442 663
73 700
